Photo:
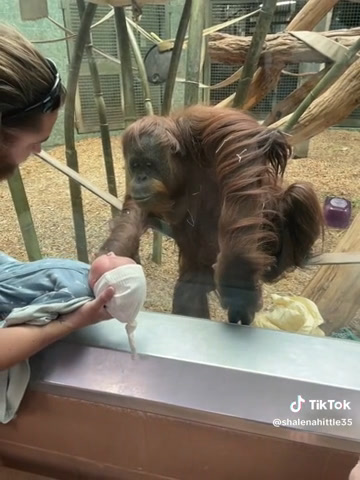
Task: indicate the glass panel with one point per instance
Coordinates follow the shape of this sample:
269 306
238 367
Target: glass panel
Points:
328 160
212 238
208 179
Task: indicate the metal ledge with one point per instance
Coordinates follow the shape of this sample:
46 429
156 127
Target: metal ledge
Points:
229 375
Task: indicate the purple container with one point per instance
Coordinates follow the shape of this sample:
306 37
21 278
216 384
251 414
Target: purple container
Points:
337 212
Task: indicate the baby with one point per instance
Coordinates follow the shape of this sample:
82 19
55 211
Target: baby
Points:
128 280
39 291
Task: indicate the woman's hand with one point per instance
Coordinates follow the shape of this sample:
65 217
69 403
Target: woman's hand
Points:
20 342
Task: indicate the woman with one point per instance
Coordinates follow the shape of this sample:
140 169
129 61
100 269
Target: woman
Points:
31 94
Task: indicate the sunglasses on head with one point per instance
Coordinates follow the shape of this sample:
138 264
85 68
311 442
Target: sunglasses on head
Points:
48 104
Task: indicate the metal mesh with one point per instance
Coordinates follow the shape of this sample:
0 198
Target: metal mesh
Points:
221 12
104 38
153 19
89 120
346 15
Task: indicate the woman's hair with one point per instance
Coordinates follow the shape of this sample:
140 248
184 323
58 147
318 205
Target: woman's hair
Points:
27 78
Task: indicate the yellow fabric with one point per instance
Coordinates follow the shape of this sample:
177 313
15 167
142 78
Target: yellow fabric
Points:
291 314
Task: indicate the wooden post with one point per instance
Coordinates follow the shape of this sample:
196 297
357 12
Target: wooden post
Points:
301 150
69 119
101 111
206 92
24 216
193 60
127 80
141 72
334 288
157 238
330 108
253 55
175 58
289 104
310 15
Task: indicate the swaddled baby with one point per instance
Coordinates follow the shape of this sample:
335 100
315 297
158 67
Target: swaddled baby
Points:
39 291
128 280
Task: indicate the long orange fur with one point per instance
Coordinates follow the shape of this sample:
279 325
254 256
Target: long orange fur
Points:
222 163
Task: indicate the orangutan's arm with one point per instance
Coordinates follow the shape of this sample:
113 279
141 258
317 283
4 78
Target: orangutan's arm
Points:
127 229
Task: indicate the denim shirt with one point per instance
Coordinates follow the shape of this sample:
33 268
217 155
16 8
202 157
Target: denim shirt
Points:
35 293
46 281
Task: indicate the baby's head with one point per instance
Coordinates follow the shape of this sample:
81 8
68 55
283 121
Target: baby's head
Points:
128 280
105 263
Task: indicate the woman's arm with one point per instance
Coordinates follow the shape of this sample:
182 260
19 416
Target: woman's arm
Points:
21 342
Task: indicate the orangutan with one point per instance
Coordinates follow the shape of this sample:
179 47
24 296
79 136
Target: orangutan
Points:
215 175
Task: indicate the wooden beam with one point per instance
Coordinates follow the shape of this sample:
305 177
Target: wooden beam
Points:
311 14
284 48
255 49
266 77
335 289
69 172
330 108
342 258
153 222
305 85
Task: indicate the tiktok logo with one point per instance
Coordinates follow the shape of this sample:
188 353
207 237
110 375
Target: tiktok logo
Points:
297 405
